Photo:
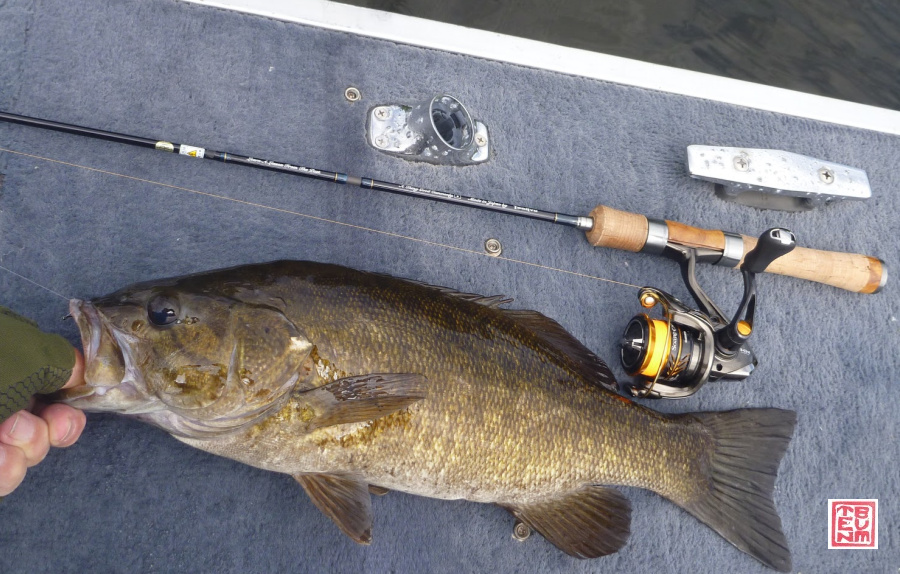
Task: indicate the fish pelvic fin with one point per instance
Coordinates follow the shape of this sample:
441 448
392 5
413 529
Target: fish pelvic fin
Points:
587 523
344 500
735 497
362 398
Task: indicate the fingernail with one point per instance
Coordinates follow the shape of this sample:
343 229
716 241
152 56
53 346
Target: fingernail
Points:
68 432
22 429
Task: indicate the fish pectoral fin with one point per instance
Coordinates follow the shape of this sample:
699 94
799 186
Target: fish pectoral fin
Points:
378 490
344 500
590 522
362 398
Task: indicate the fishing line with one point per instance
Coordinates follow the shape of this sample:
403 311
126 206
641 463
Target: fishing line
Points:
308 216
8 270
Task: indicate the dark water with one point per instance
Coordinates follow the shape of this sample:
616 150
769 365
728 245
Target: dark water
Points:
839 48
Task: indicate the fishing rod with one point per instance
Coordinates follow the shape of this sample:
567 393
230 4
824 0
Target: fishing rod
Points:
604 226
324 175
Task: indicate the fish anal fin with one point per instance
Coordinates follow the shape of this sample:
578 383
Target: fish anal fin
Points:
345 501
587 523
361 398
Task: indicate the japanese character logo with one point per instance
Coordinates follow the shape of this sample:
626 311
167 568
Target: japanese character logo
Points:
853 524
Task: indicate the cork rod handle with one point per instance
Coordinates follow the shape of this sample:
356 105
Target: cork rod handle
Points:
850 271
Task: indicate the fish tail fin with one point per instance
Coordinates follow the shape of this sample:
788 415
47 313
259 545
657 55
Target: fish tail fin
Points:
735 497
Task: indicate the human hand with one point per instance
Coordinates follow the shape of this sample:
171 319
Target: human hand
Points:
26 436
33 362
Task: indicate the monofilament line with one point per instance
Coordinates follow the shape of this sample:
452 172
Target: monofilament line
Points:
317 218
44 287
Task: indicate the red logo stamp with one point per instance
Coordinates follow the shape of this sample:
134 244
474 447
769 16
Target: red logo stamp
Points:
853 524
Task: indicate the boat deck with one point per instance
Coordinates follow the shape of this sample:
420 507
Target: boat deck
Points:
83 217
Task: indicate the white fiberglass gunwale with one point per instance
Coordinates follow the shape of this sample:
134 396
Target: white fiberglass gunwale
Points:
545 56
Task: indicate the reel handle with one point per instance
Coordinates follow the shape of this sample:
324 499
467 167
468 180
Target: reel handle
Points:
630 232
771 245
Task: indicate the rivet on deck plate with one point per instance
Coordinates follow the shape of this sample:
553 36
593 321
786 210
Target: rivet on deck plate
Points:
480 140
352 94
382 113
493 247
521 531
741 163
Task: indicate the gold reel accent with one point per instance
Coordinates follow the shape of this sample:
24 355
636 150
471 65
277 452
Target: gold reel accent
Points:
658 331
658 340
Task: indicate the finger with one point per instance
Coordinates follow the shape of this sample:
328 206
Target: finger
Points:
77 377
64 423
12 468
29 433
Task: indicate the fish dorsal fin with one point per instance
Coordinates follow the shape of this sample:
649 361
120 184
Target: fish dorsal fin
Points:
584 361
587 523
557 339
487 301
378 490
344 500
491 301
361 398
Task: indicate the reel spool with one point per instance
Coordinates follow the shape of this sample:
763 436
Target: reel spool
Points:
674 356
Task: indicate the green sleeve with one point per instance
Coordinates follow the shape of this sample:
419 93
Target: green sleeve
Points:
31 362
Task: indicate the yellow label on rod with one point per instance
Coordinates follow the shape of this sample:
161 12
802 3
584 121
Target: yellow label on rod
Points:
190 150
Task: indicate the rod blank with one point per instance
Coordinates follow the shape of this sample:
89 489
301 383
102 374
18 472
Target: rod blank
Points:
325 175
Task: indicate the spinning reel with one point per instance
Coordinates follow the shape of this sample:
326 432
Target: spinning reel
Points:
672 357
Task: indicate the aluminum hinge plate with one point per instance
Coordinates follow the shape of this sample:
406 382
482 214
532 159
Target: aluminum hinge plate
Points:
775 179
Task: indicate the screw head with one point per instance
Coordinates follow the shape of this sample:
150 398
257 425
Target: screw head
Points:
480 140
741 163
381 141
352 94
493 247
826 175
382 113
521 531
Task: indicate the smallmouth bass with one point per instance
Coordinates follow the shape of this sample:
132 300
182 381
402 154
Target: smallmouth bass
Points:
355 382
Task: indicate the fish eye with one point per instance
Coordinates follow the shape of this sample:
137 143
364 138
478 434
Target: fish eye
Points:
162 311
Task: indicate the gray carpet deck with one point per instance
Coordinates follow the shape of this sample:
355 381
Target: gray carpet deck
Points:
129 498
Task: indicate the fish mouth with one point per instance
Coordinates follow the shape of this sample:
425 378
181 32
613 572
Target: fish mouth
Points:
111 381
89 326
